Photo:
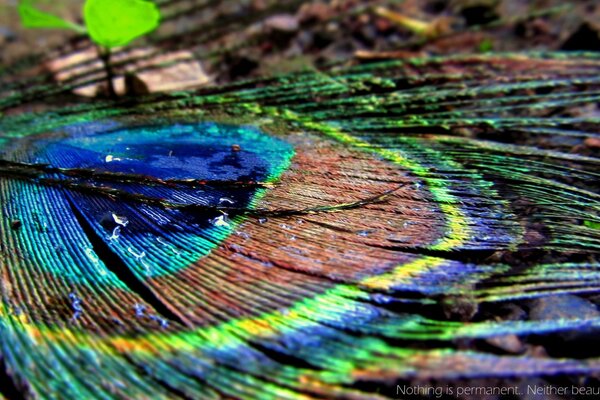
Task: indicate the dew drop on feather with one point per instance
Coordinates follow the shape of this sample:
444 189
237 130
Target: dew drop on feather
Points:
116 233
110 158
220 221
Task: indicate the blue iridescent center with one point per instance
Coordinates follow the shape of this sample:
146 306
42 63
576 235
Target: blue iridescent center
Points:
155 241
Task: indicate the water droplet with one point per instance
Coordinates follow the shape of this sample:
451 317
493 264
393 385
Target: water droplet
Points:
243 235
40 224
381 298
236 247
91 255
89 252
161 321
157 216
147 268
173 248
140 257
262 220
220 221
111 158
110 221
123 221
135 254
76 306
139 309
116 233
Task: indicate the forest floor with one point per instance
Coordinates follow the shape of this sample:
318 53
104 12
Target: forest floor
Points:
308 35
322 33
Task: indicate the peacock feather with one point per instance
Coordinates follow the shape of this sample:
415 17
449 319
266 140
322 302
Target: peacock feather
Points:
326 233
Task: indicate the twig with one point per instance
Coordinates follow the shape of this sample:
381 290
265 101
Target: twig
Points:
120 177
119 194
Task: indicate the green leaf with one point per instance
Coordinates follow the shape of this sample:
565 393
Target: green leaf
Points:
114 23
31 17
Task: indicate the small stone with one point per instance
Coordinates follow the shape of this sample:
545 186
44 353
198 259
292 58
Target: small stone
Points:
592 143
241 65
479 12
134 86
512 312
565 306
147 70
178 71
283 23
259 5
383 25
459 307
6 35
464 132
587 37
536 351
315 12
236 148
534 236
509 343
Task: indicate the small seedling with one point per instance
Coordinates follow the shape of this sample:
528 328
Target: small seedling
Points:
109 23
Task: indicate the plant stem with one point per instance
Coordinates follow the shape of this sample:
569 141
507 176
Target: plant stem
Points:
104 53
